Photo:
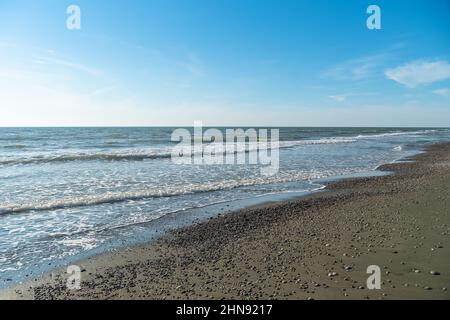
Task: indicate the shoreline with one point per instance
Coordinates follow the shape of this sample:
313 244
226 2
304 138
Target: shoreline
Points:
317 246
162 226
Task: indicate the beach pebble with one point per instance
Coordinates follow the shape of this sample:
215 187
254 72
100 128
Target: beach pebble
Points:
434 273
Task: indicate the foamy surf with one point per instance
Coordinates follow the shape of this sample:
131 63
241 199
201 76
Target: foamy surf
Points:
171 191
152 154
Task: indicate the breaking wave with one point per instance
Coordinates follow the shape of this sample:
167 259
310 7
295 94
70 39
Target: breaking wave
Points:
164 153
169 191
141 154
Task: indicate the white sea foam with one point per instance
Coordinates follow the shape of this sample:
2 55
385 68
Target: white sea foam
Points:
167 191
147 154
393 134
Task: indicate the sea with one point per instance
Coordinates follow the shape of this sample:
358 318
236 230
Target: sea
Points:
70 193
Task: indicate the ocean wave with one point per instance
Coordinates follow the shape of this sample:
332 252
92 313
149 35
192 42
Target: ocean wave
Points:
15 146
132 155
141 155
393 134
165 153
169 191
332 140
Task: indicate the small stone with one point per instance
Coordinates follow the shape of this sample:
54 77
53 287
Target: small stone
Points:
434 273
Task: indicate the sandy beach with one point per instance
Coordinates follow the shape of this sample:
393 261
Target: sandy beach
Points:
316 247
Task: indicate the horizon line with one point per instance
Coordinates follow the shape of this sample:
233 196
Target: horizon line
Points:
221 126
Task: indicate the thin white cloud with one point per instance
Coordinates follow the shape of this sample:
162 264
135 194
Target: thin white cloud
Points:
43 56
194 65
339 97
445 92
343 96
72 65
419 73
102 91
355 69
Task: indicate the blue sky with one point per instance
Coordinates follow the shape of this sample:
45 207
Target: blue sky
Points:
225 62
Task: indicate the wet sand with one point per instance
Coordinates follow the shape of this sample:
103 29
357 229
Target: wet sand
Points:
316 247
